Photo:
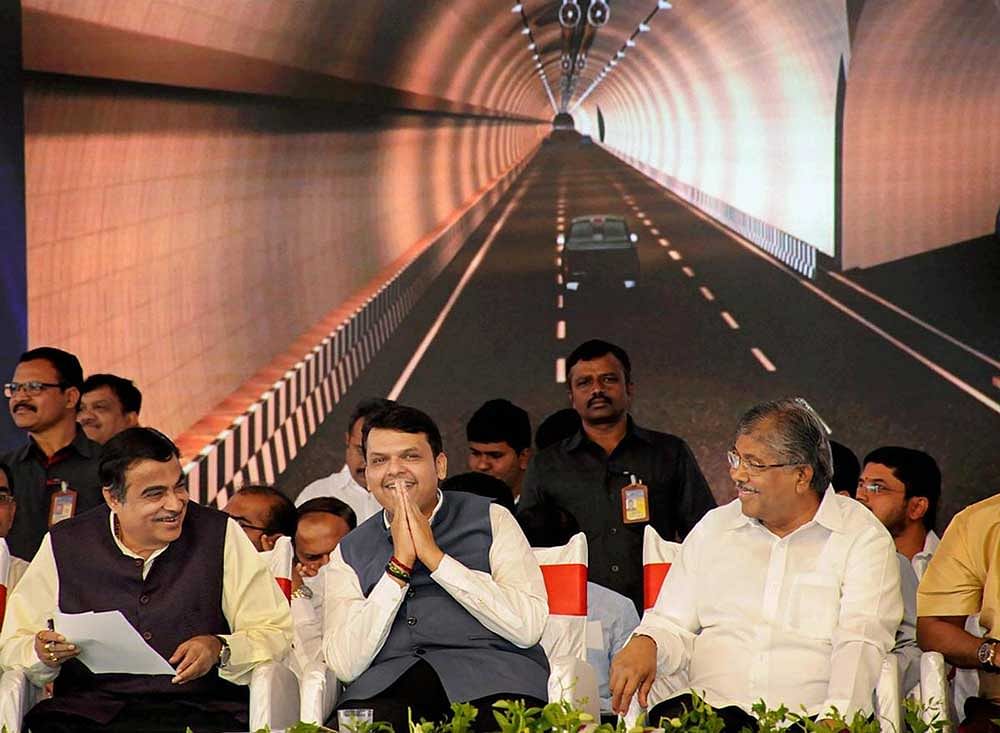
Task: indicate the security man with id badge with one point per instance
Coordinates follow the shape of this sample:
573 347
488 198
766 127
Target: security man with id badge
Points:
54 476
613 476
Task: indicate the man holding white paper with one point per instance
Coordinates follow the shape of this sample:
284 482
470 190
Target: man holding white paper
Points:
185 577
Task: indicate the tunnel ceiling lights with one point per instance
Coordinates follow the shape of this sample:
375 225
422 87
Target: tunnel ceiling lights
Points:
630 42
533 49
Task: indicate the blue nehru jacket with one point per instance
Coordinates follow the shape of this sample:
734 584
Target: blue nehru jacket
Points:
471 661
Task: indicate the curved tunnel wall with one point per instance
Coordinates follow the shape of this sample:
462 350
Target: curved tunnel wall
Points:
737 103
186 236
921 129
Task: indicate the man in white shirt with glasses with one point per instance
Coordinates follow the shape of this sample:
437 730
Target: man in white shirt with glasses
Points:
789 595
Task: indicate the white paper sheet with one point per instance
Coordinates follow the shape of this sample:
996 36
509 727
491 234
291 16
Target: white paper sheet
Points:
110 644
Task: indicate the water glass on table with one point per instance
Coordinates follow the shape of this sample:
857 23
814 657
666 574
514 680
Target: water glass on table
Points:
348 721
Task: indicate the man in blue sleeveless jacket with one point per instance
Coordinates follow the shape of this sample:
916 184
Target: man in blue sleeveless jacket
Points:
437 599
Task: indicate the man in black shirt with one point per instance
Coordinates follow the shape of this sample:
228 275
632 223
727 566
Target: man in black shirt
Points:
614 476
55 474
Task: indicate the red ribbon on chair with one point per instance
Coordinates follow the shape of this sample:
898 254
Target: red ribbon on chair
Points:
286 587
653 575
566 586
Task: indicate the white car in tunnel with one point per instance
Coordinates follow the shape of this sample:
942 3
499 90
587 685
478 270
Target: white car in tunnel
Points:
599 254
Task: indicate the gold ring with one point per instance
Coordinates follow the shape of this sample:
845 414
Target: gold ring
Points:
52 656
48 646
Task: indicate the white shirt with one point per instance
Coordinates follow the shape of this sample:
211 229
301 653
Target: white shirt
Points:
922 559
341 485
307 615
16 572
509 601
803 620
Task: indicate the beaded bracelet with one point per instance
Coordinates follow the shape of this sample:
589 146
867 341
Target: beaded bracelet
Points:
396 570
405 568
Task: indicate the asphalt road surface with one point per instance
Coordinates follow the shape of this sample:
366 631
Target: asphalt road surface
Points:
712 329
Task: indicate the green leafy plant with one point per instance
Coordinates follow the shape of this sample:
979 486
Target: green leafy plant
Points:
516 717
699 718
913 718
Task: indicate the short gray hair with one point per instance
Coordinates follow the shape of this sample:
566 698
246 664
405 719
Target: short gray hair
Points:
797 435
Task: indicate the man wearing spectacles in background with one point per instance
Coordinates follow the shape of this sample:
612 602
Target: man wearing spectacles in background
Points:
902 487
42 398
8 507
789 595
264 514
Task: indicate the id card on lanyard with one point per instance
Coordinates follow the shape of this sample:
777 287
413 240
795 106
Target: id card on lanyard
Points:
635 501
63 503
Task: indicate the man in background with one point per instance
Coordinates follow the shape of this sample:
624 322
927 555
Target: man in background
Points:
108 405
349 484
499 435
54 475
264 514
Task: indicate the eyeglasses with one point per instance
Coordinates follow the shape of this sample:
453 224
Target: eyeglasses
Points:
245 524
874 487
735 459
31 388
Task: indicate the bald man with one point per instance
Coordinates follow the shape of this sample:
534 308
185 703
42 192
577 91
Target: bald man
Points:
323 522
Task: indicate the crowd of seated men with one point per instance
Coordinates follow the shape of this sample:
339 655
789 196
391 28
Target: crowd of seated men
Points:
419 590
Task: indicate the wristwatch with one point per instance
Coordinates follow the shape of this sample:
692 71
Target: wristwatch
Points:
223 653
986 653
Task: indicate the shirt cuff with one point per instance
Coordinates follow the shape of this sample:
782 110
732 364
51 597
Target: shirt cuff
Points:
449 572
387 594
662 640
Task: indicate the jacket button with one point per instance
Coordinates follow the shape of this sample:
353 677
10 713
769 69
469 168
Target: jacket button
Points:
420 652
411 621
614 530
410 593
614 568
147 635
143 599
139 562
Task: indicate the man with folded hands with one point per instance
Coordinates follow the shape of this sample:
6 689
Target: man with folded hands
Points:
788 595
184 576
438 598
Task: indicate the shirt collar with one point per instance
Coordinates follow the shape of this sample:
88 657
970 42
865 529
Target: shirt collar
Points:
631 431
385 514
931 543
80 443
828 514
127 552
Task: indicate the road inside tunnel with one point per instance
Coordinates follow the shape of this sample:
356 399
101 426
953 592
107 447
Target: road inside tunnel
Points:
712 328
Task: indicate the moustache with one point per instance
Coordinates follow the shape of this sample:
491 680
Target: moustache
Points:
26 406
599 397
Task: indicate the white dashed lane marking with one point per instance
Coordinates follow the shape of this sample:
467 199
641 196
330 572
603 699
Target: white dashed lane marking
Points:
764 361
560 371
707 293
687 271
674 255
664 242
561 330
730 321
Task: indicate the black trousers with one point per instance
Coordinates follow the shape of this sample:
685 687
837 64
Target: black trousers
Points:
736 719
420 690
141 715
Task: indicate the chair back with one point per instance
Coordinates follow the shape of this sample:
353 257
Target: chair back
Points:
564 569
657 556
279 562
